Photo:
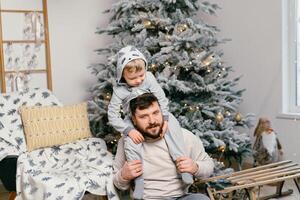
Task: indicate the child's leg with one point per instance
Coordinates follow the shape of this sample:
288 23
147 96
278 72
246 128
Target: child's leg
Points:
134 152
175 142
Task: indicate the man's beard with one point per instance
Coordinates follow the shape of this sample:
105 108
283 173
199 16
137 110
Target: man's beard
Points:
145 133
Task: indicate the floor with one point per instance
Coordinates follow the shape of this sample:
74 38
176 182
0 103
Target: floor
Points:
265 190
3 193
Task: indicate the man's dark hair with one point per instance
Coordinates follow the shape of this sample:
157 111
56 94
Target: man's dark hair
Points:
142 102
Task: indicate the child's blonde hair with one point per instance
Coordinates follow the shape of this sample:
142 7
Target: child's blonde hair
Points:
261 126
134 66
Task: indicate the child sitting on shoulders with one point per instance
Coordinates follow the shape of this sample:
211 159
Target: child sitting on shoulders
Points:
132 81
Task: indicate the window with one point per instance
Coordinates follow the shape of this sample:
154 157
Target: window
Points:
291 56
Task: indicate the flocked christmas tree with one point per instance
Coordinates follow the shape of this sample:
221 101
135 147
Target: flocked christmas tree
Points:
181 52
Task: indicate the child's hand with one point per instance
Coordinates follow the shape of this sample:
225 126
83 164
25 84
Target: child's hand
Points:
164 129
136 136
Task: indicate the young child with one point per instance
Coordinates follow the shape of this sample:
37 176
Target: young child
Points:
267 148
132 81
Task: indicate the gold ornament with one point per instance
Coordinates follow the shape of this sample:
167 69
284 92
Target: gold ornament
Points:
219 117
222 148
148 24
238 117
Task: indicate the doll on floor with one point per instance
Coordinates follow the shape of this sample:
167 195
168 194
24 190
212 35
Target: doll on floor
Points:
267 148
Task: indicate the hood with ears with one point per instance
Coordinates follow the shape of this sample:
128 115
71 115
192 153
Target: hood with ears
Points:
125 55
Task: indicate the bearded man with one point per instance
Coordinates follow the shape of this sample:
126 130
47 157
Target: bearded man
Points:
159 171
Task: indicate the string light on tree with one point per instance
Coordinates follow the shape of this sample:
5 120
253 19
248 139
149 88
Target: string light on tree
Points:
167 64
191 108
227 113
153 67
107 96
182 27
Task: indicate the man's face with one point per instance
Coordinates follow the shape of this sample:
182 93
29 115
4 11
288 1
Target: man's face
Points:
149 121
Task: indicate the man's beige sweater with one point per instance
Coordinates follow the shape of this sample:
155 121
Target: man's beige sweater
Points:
161 180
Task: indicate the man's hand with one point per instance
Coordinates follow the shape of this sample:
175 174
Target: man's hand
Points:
164 129
186 164
136 136
131 170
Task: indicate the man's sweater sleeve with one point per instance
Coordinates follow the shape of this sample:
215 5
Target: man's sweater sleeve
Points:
119 161
203 160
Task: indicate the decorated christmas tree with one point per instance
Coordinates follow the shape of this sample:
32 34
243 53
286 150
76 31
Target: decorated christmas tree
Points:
181 51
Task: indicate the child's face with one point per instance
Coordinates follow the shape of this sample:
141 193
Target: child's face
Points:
134 79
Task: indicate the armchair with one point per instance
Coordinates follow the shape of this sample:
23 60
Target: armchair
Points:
65 171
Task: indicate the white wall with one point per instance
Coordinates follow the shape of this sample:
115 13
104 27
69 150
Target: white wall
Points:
254 52
72 27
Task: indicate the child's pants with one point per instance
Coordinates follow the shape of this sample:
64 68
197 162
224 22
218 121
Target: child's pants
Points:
176 146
